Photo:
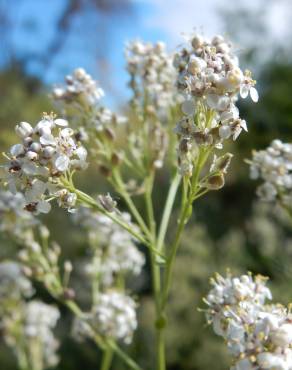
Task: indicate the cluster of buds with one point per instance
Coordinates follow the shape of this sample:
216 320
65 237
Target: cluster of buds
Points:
114 249
36 165
210 80
258 335
80 88
40 261
15 221
152 76
274 167
94 124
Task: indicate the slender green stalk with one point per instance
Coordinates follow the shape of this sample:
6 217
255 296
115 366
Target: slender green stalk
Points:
184 215
167 211
173 251
120 187
107 359
127 360
156 278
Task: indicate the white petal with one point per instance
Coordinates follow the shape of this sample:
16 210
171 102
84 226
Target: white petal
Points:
244 91
39 187
254 94
47 139
188 107
43 206
16 150
62 163
67 132
61 122
224 132
81 152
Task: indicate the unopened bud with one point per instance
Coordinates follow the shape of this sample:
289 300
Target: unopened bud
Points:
69 294
105 171
44 232
107 202
116 159
110 134
68 266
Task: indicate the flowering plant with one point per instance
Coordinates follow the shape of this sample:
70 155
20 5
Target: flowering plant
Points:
181 114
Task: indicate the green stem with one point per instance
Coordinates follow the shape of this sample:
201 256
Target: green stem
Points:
107 359
167 211
120 187
156 279
184 216
173 251
127 360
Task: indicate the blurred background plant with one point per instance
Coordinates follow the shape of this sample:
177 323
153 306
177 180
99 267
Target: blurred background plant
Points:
232 228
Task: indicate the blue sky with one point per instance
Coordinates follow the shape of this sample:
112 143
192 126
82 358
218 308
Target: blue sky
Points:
151 20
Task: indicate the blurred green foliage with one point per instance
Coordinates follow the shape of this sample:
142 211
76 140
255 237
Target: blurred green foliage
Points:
228 229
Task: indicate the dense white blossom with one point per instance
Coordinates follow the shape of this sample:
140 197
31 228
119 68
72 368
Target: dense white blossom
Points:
40 319
273 166
210 80
152 75
81 91
114 248
114 316
79 85
258 335
46 153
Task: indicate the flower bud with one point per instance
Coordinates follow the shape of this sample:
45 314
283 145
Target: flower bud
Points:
107 202
24 129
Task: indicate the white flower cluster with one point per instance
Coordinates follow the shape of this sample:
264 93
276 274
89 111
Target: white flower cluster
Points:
115 251
83 93
209 78
274 166
35 165
258 336
79 86
40 319
152 74
13 282
114 316
14 219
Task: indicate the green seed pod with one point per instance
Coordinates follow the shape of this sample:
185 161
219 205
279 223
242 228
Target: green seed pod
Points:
215 182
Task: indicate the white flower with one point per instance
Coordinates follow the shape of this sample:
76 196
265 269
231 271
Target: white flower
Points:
274 167
151 72
40 319
210 82
258 335
46 153
114 316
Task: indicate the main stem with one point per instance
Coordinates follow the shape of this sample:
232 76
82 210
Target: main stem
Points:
156 279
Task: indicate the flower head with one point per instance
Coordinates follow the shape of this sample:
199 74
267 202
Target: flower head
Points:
114 316
36 164
274 167
210 81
